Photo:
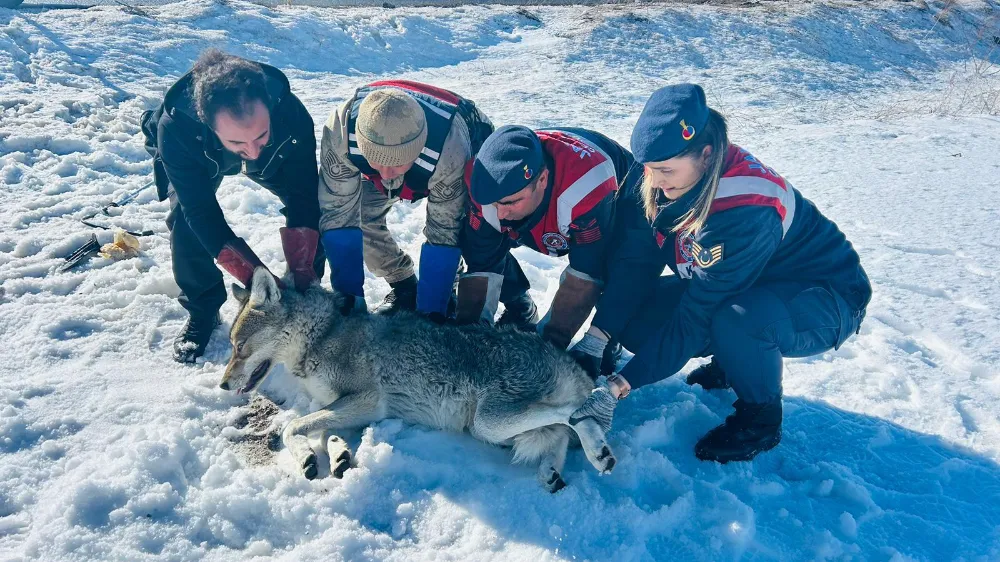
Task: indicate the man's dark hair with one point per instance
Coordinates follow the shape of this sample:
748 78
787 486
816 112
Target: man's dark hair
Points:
226 82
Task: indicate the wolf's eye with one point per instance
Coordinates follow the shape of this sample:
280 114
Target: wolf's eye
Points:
239 347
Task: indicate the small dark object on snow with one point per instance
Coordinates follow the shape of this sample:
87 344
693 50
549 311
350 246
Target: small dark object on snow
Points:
92 246
81 254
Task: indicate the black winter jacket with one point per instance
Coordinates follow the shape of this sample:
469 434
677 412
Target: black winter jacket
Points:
190 161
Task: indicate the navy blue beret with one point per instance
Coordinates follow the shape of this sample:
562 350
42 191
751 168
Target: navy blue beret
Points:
507 162
672 118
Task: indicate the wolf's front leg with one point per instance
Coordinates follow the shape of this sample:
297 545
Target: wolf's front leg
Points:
347 412
594 444
340 455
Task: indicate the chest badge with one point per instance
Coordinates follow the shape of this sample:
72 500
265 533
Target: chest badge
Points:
555 241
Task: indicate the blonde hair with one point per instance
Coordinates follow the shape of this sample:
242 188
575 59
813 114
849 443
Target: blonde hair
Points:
715 134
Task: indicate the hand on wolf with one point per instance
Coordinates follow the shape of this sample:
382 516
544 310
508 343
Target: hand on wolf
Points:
589 351
439 319
600 405
299 245
240 261
348 303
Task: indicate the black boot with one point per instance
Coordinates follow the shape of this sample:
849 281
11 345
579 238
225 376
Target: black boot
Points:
710 376
612 353
403 296
520 312
751 429
190 343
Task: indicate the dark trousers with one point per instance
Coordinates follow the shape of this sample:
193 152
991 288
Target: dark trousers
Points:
202 290
515 282
751 332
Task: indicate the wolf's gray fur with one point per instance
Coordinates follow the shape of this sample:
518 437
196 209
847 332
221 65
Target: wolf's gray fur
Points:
502 386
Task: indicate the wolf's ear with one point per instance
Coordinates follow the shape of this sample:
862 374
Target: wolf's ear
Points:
264 289
240 294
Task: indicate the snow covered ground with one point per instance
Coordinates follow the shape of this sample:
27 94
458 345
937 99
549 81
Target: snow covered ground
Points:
879 114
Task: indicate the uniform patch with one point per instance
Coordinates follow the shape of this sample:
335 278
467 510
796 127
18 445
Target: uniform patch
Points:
686 247
555 241
335 168
706 257
588 235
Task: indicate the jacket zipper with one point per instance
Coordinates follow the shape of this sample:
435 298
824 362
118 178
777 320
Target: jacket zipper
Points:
276 151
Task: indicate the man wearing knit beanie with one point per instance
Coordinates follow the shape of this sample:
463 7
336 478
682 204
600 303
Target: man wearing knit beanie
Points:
397 140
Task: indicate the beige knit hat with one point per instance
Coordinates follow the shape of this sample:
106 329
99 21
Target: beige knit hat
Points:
391 128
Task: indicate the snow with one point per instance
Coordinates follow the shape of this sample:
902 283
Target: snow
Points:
880 113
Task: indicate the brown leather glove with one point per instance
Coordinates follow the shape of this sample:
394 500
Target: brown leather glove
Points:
576 297
478 298
299 245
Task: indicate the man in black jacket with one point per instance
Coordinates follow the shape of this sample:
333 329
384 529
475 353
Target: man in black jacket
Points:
227 116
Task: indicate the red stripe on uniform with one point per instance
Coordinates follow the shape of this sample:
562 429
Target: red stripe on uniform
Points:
588 236
588 203
724 203
433 91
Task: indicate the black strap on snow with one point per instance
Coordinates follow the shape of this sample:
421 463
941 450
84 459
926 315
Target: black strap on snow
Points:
124 200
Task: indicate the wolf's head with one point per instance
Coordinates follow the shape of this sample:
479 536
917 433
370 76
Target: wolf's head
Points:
257 334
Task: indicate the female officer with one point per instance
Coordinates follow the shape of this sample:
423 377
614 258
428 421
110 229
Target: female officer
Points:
759 273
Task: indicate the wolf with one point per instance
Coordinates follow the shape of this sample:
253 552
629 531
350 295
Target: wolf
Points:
504 387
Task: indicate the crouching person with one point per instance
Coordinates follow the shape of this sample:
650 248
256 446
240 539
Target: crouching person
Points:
553 191
227 116
759 273
397 140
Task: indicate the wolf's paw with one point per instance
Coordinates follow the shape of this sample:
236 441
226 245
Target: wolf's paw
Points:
310 467
340 464
555 482
340 456
605 460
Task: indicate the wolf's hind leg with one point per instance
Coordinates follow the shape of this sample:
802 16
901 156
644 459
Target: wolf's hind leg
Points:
347 412
548 446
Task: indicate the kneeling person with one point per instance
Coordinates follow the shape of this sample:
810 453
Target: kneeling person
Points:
397 140
759 273
553 191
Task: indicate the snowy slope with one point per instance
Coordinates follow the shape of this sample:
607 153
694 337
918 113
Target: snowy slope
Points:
109 450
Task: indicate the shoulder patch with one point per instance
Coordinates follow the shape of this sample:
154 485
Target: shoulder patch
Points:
706 257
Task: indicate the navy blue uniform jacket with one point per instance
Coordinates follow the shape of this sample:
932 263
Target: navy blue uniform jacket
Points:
760 230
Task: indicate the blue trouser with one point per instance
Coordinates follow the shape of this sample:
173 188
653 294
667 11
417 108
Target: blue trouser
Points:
752 331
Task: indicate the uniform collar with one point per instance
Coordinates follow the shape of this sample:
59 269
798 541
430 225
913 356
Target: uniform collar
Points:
668 212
